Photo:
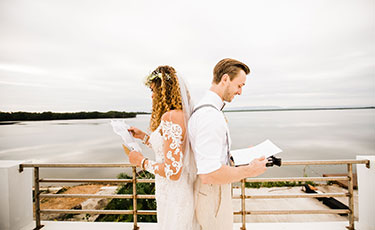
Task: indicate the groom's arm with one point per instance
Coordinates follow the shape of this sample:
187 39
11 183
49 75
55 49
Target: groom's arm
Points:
207 132
227 174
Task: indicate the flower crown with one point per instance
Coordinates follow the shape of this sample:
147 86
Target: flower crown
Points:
153 75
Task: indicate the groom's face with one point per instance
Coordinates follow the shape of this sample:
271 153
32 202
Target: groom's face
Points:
234 87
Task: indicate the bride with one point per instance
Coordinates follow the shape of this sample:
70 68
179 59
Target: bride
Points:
174 167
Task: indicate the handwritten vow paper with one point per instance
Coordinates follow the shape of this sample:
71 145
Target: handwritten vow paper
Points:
121 129
245 156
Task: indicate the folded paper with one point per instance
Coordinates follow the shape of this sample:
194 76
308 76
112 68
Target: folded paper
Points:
245 156
121 129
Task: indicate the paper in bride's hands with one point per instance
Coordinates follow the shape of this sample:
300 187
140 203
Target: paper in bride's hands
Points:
121 129
245 156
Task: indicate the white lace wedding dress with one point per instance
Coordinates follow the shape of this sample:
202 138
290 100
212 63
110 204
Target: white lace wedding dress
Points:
174 199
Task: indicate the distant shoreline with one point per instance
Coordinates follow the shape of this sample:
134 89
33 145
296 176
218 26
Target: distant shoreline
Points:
9 118
9 122
14 117
297 109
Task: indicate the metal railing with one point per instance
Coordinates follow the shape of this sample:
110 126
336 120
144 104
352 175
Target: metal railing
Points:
134 195
349 194
243 196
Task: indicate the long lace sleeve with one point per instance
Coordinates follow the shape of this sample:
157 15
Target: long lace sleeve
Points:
173 151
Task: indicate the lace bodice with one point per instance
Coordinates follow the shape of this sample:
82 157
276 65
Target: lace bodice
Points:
175 200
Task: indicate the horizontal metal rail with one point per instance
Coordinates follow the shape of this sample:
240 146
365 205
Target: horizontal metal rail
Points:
78 165
281 196
325 162
99 181
121 181
125 165
95 196
285 212
94 212
296 179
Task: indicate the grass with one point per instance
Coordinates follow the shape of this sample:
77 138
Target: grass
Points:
127 204
277 184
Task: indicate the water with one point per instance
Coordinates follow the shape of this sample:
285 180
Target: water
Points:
303 135
307 135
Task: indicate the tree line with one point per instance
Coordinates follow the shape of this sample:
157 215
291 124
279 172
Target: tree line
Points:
27 116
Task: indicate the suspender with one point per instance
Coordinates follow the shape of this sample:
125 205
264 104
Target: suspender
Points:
201 106
229 157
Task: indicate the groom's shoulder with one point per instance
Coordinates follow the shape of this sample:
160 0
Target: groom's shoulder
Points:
204 107
205 114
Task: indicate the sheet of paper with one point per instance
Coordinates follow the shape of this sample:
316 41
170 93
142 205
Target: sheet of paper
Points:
121 129
245 156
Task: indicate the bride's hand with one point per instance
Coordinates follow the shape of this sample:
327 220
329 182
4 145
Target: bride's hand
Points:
135 158
137 133
127 151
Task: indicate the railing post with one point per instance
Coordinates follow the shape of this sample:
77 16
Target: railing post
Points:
37 199
243 202
351 197
135 198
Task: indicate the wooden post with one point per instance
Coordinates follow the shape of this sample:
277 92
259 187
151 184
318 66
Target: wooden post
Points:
37 199
135 198
351 197
243 204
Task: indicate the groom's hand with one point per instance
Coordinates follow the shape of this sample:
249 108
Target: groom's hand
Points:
256 167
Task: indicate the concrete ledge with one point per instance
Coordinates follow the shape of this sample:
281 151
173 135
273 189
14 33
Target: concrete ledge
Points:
366 191
16 201
61 225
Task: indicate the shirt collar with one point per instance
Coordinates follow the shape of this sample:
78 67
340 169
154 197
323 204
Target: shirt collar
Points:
215 100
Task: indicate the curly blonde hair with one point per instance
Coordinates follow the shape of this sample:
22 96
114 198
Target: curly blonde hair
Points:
166 91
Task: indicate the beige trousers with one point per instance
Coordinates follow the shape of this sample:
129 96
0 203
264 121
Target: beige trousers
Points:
213 207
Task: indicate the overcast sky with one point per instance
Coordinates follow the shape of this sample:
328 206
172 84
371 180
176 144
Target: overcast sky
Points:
73 55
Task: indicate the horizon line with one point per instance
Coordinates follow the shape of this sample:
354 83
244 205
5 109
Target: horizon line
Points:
234 109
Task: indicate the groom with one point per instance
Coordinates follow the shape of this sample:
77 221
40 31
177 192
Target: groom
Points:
210 141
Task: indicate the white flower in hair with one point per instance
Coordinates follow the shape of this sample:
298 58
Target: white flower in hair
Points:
149 78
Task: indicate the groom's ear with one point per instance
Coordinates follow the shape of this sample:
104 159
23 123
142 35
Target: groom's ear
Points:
225 78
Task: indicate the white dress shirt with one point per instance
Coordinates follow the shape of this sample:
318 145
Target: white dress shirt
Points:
208 132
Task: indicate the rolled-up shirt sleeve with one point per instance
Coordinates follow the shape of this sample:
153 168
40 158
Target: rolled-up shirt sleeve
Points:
208 139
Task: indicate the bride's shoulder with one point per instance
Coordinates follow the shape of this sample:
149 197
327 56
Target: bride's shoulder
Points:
175 116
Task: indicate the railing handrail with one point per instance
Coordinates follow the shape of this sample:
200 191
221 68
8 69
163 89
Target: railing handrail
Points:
126 165
324 162
243 196
75 165
108 181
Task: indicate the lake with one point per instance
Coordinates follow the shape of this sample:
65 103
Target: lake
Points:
302 135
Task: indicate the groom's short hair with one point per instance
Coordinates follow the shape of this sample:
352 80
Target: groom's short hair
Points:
228 66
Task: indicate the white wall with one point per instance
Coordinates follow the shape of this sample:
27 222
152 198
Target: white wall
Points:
366 194
16 202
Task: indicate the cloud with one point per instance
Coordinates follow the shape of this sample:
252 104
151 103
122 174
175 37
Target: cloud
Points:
90 54
22 84
22 69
